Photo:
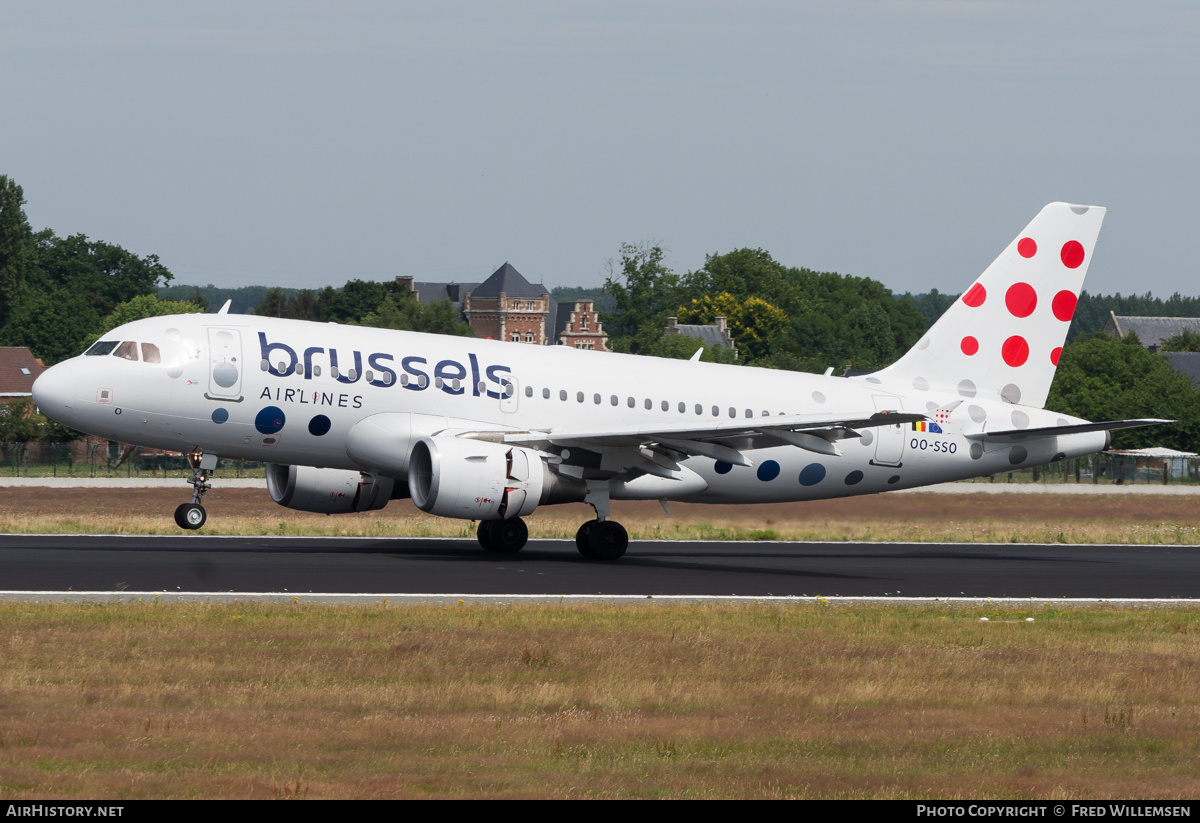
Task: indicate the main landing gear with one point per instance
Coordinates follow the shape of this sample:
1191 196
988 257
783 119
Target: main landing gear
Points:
192 515
503 536
599 539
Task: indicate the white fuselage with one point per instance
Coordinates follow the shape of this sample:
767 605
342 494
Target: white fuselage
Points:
289 392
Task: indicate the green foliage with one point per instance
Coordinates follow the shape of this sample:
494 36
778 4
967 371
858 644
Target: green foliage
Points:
1092 312
103 273
753 322
54 325
1101 378
21 422
241 300
1186 340
682 347
404 311
645 293
18 251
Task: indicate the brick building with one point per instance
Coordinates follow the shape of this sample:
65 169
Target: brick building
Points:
506 306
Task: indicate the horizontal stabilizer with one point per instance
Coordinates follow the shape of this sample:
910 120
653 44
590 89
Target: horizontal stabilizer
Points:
1080 428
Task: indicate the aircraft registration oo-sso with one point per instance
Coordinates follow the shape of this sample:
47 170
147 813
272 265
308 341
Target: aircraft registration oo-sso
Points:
348 418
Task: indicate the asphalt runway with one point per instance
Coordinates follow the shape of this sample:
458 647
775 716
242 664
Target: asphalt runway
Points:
193 563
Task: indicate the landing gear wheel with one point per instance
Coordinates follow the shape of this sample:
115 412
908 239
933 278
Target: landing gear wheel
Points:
503 536
607 540
190 516
583 539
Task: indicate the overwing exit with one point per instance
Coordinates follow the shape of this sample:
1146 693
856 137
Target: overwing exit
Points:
348 418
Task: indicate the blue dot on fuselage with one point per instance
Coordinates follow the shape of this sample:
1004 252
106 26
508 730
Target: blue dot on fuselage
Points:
269 420
319 425
769 470
812 474
220 415
722 467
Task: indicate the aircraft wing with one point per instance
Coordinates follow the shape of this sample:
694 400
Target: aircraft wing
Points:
725 440
1015 435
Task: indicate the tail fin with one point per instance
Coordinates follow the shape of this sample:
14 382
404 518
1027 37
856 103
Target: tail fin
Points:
1001 339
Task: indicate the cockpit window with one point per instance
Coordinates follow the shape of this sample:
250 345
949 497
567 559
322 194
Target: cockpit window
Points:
103 347
150 353
127 350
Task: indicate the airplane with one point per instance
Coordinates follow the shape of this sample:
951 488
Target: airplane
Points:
348 418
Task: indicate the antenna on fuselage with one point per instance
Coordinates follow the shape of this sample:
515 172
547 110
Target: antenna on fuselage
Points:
225 309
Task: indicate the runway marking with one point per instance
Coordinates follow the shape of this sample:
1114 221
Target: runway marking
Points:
543 599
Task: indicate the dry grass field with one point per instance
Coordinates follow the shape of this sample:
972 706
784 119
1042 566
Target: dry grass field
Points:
935 517
650 701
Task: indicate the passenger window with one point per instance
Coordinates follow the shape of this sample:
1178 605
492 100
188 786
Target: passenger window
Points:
630 402
749 413
562 394
596 399
126 351
716 412
150 353
333 370
316 370
403 378
682 407
528 391
579 397
103 347
613 400
509 389
665 405
699 409
545 394
648 404
732 411
438 382
368 375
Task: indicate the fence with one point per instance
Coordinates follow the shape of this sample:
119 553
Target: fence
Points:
92 457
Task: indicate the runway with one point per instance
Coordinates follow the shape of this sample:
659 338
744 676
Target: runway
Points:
191 563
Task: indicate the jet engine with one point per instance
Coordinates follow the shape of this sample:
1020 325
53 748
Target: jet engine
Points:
327 491
483 480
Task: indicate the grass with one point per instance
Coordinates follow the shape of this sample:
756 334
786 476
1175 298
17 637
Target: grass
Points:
688 701
555 524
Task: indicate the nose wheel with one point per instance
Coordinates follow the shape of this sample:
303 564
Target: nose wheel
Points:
192 515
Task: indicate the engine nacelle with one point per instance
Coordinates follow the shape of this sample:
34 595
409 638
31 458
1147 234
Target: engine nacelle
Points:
327 491
480 480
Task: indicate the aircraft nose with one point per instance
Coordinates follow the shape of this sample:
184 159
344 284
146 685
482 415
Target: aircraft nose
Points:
54 392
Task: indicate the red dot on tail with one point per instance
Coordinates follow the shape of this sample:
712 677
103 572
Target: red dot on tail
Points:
1015 351
975 296
969 345
1026 247
1064 305
1054 355
1021 299
1072 254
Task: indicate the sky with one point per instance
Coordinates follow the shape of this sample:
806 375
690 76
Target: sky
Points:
303 144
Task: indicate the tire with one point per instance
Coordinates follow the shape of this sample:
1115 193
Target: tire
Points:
190 516
484 535
607 540
583 538
509 536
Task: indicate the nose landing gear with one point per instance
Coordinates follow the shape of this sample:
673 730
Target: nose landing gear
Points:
192 515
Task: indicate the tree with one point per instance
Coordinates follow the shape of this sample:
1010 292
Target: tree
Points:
54 325
1186 340
645 292
1101 378
404 311
18 251
754 323
104 273
146 305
